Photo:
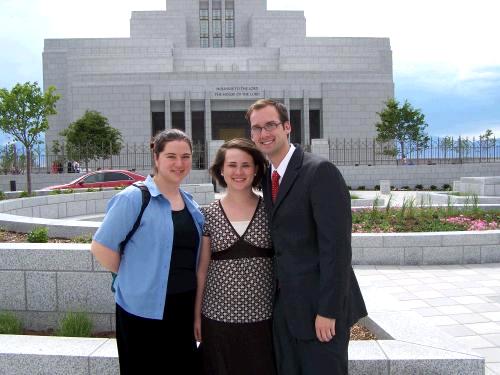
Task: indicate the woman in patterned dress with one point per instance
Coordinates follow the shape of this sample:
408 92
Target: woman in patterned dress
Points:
235 291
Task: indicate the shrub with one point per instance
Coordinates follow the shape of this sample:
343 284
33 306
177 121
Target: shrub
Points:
55 192
75 324
84 238
39 235
24 194
377 187
91 190
120 187
361 187
433 187
2 196
419 187
446 187
68 191
10 324
405 187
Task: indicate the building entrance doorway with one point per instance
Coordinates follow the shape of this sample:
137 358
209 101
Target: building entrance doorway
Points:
227 125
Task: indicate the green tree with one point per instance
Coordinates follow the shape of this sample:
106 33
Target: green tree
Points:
460 146
24 115
8 159
404 125
486 142
91 138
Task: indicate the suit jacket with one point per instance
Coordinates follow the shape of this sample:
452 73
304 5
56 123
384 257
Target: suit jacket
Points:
311 232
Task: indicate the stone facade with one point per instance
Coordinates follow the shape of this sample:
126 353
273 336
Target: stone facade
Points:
162 77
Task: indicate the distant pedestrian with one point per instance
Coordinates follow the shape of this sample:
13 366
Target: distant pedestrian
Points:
76 167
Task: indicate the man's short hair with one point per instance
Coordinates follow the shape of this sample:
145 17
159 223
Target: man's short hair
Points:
262 103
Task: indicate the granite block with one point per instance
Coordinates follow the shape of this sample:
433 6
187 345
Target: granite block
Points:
381 255
366 358
409 358
413 256
104 361
41 291
10 205
46 257
62 209
470 238
412 239
60 198
357 255
34 201
90 207
50 211
85 291
76 208
490 253
367 240
12 292
29 364
472 254
443 255
27 211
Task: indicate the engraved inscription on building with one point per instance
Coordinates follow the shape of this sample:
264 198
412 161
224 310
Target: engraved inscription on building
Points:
237 92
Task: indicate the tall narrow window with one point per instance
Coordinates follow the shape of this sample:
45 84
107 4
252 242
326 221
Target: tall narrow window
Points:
204 24
216 24
229 25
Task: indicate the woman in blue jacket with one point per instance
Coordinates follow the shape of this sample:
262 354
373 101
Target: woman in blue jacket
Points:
156 282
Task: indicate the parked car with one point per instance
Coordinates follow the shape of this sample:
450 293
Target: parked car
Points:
101 179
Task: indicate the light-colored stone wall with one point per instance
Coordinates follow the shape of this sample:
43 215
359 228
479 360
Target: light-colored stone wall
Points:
281 25
350 109
83 203
40 282
159 25
411 175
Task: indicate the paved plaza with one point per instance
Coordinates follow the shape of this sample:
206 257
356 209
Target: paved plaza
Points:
462 300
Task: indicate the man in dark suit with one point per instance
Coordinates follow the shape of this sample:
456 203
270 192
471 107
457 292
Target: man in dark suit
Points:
318 297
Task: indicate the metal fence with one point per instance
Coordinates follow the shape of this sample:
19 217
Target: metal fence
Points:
436 151
131 156
342 152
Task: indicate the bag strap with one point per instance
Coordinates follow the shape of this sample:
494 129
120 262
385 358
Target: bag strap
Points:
146 196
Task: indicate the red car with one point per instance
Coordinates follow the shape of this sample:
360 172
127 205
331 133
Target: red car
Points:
103 178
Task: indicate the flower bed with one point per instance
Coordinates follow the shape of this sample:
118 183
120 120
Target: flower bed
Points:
423 219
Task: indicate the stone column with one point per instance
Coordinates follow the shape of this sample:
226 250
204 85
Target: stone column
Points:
212 147
187 115
168 114
287 102
208 118
306 132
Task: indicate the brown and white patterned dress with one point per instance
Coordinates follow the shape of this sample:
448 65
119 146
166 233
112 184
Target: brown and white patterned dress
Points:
238 298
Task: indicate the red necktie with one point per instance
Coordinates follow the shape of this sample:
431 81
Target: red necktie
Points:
275 185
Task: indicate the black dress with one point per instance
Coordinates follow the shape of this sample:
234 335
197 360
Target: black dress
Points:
238 298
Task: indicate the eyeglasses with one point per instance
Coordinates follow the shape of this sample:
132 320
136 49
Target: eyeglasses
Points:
269 127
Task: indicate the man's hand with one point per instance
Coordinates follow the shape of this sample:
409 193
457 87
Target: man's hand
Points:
325 328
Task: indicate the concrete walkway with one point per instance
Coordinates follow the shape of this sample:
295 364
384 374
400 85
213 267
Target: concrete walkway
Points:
463 301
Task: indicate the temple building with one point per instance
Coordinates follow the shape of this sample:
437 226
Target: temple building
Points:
199 64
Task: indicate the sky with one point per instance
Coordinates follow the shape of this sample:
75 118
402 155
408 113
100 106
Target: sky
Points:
446 54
